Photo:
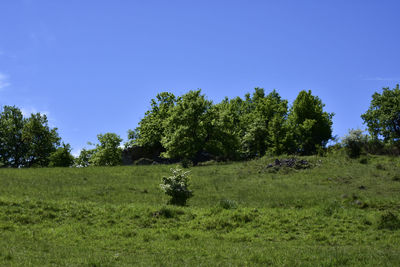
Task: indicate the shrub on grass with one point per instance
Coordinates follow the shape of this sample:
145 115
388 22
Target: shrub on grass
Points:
176 186
354 143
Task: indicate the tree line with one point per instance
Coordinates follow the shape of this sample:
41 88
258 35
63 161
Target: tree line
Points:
192 128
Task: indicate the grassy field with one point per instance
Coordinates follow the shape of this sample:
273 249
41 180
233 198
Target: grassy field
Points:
338 212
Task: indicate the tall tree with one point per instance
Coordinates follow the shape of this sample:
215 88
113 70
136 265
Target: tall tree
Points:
383 115
310 126
264 124
12 148
223 132
187 127
107 151
40 139
151 128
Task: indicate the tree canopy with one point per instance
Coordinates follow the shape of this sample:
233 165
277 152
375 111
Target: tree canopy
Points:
12 148
310 126
383 115
190 126
26 142
107 152
187 127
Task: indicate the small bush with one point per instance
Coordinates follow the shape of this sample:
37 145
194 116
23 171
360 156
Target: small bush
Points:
354 143
176 186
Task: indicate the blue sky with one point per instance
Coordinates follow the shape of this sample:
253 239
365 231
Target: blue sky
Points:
92 66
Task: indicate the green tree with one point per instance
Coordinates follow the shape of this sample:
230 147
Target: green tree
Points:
62 157
309 126
186 129
83 160
41 140
223 130
107 152
151 128
383 115
12 148
264 124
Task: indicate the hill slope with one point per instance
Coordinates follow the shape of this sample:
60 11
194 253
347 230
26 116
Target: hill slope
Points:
336 212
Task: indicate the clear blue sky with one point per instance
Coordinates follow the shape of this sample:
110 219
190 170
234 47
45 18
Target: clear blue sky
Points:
94 65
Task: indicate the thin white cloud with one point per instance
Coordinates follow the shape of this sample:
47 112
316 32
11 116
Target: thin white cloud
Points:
28 111
76 152
4 81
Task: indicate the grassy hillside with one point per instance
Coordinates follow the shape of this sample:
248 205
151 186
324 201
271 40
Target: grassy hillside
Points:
337 212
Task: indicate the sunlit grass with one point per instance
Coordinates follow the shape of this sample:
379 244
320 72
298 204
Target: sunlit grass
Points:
241 214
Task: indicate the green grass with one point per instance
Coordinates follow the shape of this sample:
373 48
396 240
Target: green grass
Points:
339 212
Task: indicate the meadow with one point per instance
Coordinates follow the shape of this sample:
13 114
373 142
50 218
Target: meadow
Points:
337 212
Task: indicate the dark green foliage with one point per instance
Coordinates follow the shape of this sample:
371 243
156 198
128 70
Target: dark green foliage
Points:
41 140
191 128
310 127
383 115
12 147
186 163
26 142
187 128
265 124
223 137
61 157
